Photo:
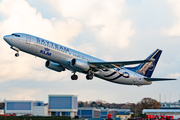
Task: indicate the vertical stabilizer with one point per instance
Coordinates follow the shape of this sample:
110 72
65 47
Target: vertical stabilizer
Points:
147 68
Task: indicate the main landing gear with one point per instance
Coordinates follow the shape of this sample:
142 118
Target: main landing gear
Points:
89 76
74 77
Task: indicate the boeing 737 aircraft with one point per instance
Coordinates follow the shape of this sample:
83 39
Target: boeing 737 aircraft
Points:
60 58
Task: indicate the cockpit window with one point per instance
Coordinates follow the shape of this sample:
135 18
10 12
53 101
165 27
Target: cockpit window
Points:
16 35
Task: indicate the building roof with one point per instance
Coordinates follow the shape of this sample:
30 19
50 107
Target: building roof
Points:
83 108
104 110
123 113
160 110
63 95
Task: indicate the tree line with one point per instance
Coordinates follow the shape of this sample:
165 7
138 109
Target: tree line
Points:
145 103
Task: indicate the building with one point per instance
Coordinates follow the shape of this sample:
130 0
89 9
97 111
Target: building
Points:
1 111
36 108
167 108
89 112
123 115
114 112
170 105
104 113
58 105
63 105
99 113
174 112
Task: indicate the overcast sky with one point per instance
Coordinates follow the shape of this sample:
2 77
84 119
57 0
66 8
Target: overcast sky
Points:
115 30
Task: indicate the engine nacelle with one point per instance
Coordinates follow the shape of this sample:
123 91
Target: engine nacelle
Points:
80 64
54 66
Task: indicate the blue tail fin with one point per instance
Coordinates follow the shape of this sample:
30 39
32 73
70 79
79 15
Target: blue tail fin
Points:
147 69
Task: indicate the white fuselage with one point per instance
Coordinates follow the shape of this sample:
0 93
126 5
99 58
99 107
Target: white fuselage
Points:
62 55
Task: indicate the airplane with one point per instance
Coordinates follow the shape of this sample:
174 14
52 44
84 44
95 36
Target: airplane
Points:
60 58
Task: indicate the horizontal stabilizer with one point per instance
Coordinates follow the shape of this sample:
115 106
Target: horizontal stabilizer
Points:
159 79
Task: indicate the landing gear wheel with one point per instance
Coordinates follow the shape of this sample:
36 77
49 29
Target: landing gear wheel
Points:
89 77
74 77
17 54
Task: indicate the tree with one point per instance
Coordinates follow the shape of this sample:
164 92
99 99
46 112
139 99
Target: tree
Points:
147 103
101 105
80 104
93 104
130 106
2 105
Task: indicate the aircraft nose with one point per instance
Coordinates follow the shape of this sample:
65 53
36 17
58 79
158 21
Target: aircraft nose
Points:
7 38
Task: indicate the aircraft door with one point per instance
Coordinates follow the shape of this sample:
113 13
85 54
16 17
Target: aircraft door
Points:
28 39
135 78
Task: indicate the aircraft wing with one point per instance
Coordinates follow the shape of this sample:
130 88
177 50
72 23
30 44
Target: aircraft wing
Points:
107 65
159 79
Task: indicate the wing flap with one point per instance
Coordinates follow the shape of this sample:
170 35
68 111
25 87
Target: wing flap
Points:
159 79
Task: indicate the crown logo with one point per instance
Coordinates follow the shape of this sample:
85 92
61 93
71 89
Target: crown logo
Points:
46 49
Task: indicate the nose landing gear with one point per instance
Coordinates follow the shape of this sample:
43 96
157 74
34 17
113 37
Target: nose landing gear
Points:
16 49
17 54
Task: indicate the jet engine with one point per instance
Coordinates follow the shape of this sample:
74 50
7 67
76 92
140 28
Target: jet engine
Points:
80 64
54 66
